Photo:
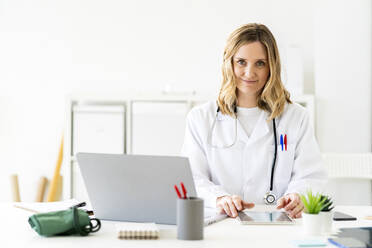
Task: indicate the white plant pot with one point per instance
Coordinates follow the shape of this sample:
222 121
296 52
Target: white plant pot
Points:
327 218
312 224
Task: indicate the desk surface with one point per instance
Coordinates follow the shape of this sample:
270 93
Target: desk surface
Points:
16 232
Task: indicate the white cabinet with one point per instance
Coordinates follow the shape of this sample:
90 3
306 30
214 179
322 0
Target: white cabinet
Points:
78 190
95 128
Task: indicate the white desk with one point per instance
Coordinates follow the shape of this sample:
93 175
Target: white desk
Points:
16 232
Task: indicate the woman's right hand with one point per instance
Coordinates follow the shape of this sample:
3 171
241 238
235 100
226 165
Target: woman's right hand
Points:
231 205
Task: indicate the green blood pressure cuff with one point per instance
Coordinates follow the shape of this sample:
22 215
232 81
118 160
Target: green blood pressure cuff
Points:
65 222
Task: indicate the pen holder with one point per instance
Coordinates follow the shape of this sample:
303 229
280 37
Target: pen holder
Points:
190 218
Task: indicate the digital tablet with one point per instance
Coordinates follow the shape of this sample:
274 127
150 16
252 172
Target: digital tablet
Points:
270 218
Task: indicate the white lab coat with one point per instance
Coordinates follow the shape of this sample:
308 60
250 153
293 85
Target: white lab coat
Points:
245 168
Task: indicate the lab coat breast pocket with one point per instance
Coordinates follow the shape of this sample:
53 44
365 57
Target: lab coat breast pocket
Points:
284 165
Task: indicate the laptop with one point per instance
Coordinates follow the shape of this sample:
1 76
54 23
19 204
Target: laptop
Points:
353 237
138 188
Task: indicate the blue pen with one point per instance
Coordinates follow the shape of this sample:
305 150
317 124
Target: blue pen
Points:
281 141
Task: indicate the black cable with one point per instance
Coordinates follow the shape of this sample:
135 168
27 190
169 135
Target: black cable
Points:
275 151
96 227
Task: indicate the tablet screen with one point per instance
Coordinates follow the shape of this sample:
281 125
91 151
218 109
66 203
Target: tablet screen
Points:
276 217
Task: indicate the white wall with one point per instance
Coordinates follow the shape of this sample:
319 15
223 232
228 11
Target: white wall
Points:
343 88
50 48
343 75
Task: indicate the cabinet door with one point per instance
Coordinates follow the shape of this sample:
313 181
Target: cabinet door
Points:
96 129
99 129
158 128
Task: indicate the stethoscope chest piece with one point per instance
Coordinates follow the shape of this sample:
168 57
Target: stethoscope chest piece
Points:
269 198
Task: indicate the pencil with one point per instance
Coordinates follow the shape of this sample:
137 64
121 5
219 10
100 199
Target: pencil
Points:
15 188
41 189
27 209
54 184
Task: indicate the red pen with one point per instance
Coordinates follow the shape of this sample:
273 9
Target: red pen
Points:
184 191
285 142
177 191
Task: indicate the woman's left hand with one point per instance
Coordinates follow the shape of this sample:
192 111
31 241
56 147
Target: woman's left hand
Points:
292 204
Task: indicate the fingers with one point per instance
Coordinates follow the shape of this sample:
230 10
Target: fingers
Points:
221 209
247 204
281 203
294 200
299 215
233 210
231 205
292 205
296 213
225 205
220 202
237 202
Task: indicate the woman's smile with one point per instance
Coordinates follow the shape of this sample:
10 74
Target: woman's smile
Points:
249 81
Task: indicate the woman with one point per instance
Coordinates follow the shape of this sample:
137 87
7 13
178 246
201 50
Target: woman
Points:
230 143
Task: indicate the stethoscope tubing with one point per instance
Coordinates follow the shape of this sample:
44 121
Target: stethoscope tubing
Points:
275 155
213 126
235 139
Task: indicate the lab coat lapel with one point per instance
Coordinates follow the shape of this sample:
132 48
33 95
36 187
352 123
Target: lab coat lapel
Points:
261 128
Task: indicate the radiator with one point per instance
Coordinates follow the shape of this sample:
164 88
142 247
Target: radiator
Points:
351 165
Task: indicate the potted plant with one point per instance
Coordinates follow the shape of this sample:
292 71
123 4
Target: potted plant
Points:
312 220
327 213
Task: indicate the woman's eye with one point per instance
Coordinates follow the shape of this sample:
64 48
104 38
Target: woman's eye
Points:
241 62
261 63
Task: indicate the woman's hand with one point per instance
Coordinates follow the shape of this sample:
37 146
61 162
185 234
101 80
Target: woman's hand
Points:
292 204
231 205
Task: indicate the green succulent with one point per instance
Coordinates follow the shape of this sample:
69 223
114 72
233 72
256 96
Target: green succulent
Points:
327 204
313 203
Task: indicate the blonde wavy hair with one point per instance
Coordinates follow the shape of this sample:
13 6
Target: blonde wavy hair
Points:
273 96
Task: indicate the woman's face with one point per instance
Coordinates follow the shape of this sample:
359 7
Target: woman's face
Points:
251 68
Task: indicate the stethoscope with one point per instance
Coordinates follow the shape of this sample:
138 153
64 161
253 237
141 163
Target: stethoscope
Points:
269 197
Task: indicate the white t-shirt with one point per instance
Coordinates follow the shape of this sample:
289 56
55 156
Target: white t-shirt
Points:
248 118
